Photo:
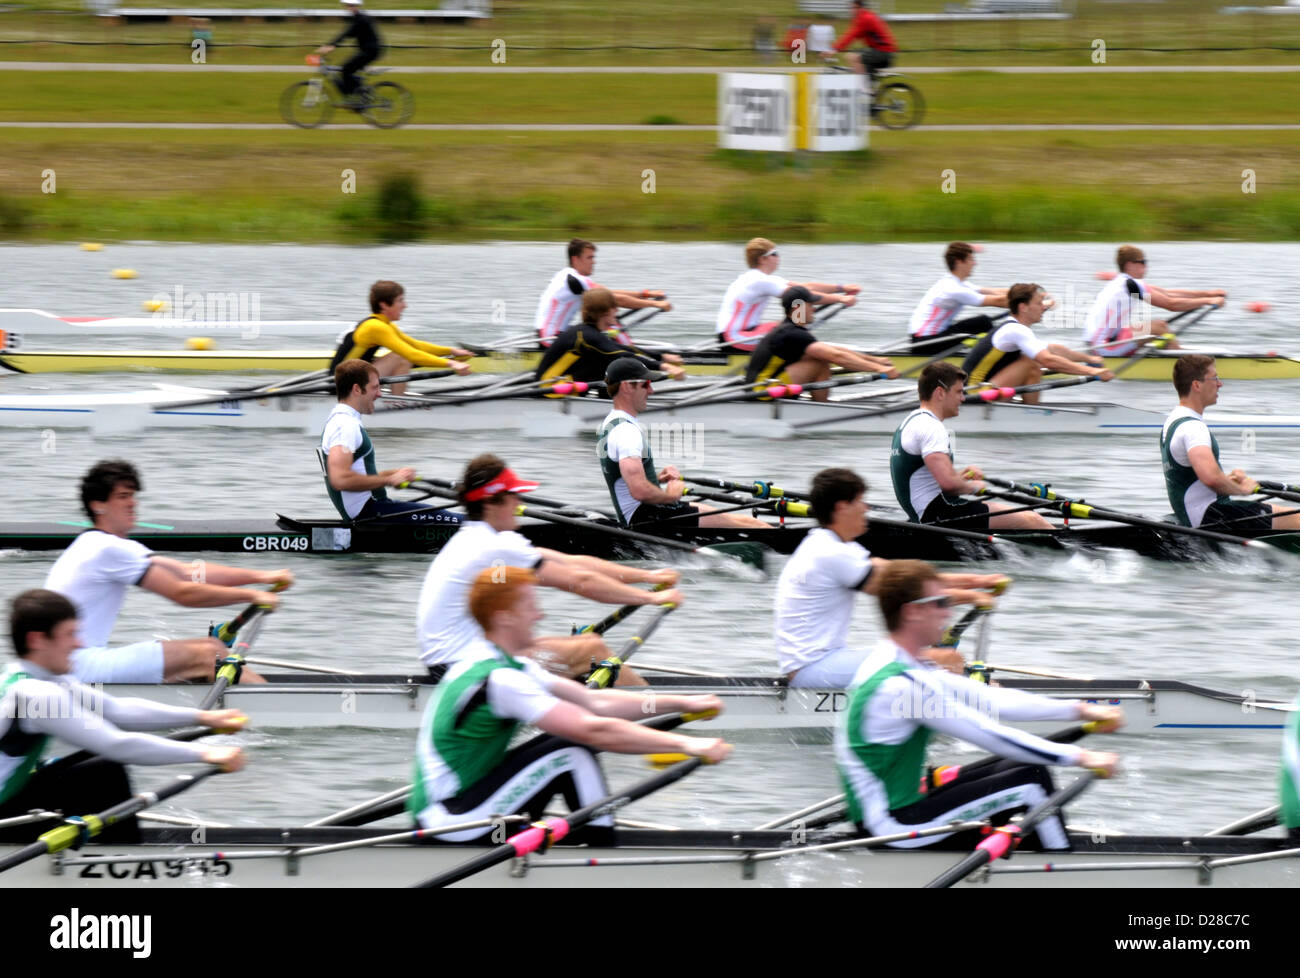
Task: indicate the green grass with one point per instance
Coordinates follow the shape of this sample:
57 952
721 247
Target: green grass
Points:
971 98
286 186
683 32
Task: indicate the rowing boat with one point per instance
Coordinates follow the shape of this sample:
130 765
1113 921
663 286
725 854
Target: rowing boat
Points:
333 856
168 406
1157 366
292 535
755 707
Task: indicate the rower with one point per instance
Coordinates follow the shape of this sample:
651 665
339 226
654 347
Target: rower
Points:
490 493
935 316
814 597
463 770
898 703
355 486
640 494
739 318
584 351
1199 490
1012 356
1120 321
560 300
379 331
792 354
39 699
101 563
920 463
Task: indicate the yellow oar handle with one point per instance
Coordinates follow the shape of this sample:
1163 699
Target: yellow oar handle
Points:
1000 585
668 760
701 715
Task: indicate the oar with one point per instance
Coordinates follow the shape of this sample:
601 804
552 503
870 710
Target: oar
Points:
763 490
630 318
1279 489
955 631
1080 510
1006 837
543 834
786 506
618 531
607 672
227 630
774 391
233 665
827 317
77 830
614 617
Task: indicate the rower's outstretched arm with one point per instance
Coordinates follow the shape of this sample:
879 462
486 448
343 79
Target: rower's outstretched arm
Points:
1181 300
571 722
630 705
197 594
220 574
597 586
620 572
849 360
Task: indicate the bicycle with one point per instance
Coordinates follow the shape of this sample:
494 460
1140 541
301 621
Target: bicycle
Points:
308 104
897 104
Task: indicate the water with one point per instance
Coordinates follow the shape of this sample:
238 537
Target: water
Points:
1220 623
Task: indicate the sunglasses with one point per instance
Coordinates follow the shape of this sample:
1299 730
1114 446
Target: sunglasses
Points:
942 600
771 254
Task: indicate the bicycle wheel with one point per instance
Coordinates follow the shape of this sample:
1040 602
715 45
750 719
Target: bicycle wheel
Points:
898 106
306 104
390 106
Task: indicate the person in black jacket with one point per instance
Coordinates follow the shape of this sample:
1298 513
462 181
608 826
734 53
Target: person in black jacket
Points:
369 48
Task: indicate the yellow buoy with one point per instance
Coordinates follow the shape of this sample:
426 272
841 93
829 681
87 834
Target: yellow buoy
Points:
124 273
154 305
91 246
199 343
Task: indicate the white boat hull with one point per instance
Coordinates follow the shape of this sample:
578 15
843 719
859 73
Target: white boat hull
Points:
645 860
754 708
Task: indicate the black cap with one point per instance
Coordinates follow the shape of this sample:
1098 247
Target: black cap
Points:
627 368
795 293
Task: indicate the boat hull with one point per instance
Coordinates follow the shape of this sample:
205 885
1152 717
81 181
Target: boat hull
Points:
170 859
755 707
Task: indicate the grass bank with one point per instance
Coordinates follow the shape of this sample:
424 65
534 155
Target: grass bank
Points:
291 186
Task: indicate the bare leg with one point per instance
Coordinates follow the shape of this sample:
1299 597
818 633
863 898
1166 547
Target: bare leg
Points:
194 660
810 371
709 518
1026 520
1023 371
572 655
1291 522
393 365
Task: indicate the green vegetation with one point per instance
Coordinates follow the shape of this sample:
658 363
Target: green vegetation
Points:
676 32
289 186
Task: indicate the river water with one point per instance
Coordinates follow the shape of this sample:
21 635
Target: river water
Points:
1217 623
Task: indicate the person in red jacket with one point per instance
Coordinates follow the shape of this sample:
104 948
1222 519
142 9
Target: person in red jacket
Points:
875 33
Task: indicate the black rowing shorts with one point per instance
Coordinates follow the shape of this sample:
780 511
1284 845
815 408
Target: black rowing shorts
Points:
1238 515
966 516
654 512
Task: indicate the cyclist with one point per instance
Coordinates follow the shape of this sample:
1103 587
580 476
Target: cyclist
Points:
875 33
369 49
